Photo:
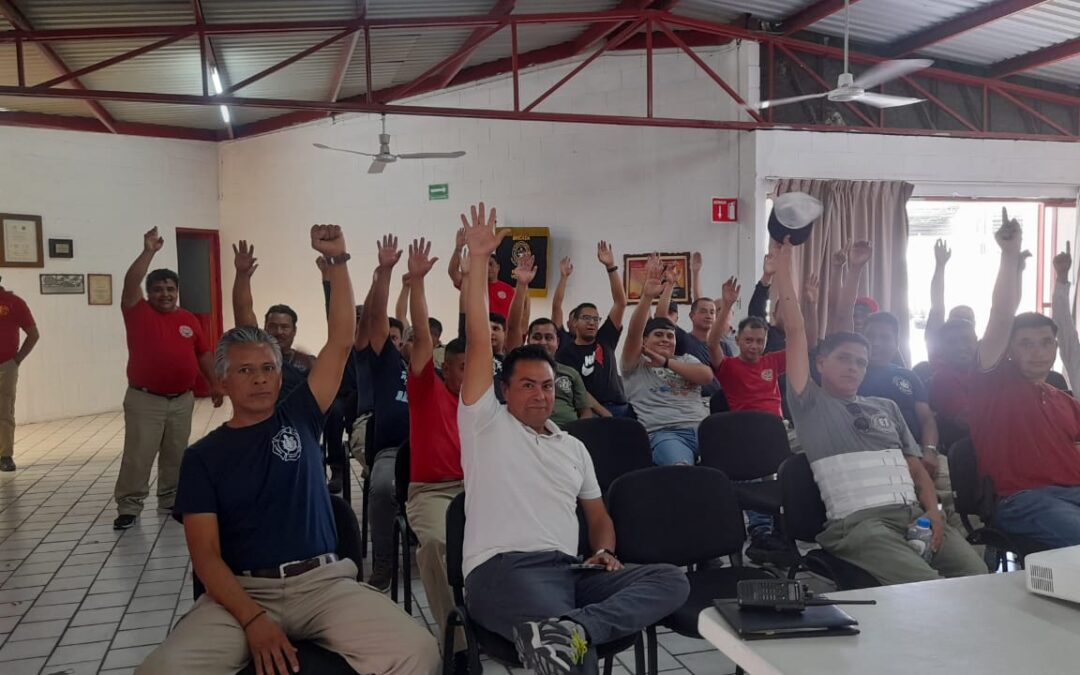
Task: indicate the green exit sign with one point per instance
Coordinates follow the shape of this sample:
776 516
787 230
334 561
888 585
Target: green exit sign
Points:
438 191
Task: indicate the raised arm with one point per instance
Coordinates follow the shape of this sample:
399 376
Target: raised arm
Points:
1006 300
618 294
243 306
663 305
787 303
1063 317
722 326
401 307
651 289
482 240
837 265
566 268
454 266
936 317
811 292
420 263
695 267
378 321
518 320
362 339
843 318
133 279
325 376
759 301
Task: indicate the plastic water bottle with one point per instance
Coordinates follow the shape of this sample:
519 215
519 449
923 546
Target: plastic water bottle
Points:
919 536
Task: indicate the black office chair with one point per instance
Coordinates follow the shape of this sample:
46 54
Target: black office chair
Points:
746 446
803 517
685 516
404 537
718 403
617 445
479 639
974 495
315 660
365 491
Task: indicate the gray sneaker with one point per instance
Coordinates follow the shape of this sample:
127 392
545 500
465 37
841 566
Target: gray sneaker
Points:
551 647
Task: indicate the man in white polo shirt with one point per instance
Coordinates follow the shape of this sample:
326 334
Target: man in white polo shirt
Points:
524 479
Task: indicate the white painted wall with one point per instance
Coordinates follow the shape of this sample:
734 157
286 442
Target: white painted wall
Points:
104 192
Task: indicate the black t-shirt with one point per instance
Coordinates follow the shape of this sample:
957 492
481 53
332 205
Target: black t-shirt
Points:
686 343
266 485
388 372
596 363
291 378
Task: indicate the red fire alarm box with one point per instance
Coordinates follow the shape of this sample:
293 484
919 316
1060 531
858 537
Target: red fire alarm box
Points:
725 210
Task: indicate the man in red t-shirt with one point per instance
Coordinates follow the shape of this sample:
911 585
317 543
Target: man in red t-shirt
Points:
166 352
1025 431
500 293
15 316
435 475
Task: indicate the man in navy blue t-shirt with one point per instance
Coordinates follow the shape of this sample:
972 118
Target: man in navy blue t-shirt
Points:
259 524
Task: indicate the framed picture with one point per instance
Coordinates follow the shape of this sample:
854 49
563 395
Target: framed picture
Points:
522 241
61 248
99 289
634 275
20 241
63 284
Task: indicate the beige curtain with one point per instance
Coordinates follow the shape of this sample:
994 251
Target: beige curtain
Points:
854 210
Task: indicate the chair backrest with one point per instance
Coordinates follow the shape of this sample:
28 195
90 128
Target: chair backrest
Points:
801 508
974 496
718 403
401 475
455 541
744 445
617 446
675 514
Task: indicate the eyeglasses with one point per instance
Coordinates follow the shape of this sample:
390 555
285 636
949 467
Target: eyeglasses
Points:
589 319
1045 343
862 422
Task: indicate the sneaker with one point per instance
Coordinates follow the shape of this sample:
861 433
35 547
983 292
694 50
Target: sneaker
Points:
7 464
336 480
380 577
551 647
769 549
123 522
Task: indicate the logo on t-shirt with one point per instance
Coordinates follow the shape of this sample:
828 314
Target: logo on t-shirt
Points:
562 383
767 374
500 295
185 331
5 310
902 384
589 366
286 444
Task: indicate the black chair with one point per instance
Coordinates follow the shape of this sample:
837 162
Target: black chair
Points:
746 446
403 534
617 445
479 639
803 517
315 660
365 491
685 516
974 495
718 403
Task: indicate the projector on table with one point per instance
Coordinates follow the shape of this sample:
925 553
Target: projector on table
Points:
1055 573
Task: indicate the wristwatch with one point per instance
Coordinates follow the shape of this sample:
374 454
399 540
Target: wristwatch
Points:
612 269
337 259
603 551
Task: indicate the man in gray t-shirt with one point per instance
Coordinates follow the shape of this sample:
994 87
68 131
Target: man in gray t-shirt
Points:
864 459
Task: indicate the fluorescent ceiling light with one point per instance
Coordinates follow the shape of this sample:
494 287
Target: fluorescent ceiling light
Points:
217 80
225 113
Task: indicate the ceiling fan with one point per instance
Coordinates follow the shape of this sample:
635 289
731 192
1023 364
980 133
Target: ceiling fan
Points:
384 157
850 89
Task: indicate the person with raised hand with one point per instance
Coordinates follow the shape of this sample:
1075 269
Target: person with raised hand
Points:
1062 313
702 317
664 389
260 527
524 479
167 351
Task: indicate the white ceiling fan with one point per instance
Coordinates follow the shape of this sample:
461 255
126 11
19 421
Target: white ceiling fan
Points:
384 155
850 89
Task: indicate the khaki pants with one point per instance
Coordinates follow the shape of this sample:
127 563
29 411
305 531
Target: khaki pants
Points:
876 540
325 605
426 510
9 376
154 426
357 437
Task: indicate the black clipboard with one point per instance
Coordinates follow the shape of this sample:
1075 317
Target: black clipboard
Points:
755 624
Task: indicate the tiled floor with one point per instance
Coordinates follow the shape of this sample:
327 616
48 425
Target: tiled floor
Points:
78 598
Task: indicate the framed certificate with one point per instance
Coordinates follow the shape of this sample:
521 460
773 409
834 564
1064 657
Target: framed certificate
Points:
20 241
99 289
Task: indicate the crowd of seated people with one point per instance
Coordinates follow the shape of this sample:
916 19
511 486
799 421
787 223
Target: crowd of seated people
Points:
484 414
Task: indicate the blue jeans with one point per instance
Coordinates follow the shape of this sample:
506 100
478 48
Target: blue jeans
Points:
674 446
1050 515
619 409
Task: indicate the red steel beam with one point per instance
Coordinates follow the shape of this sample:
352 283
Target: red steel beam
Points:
501 9
337 80
266 72
806 17
15 17
207 50
126 56
600 30
960 24
929 96
71 123
1035 113
1037 58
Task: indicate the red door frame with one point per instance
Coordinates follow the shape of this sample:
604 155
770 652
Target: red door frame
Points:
213 328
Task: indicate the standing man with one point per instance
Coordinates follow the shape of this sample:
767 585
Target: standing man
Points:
500 293
14 316
166 352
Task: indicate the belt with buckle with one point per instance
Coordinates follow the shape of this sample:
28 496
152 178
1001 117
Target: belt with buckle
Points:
292 569
164 396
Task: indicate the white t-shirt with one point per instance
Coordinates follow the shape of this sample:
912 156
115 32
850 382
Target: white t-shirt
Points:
521 487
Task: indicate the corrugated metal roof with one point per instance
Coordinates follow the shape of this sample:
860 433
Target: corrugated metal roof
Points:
173 69
242 56
725 10
49 14
400 9
886 21
552 6
530 37
1064 71
236 11
37 70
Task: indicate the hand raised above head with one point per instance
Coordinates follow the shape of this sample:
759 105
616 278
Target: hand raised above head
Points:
480 234
328 240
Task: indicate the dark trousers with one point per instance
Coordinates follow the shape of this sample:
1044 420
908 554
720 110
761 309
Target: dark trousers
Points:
339 417
512 588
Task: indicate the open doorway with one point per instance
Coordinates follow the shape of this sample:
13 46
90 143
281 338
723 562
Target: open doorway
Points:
198 262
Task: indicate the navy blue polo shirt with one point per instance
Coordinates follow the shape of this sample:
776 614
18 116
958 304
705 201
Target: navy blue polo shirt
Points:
901 386
266 485
391 398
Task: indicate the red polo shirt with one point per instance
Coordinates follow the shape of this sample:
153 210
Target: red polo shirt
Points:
753 386
14 316
163 349
500 295
1024 433
950 391
434 443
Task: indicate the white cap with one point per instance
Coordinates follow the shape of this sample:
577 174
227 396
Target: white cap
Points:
796 210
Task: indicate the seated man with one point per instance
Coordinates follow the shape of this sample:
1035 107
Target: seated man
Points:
664 389
260 528
523 480
864 459
1025 431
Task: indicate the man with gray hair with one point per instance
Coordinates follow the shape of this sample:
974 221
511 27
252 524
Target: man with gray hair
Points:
260 527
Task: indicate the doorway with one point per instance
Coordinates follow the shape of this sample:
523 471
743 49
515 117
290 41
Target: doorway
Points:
198 262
